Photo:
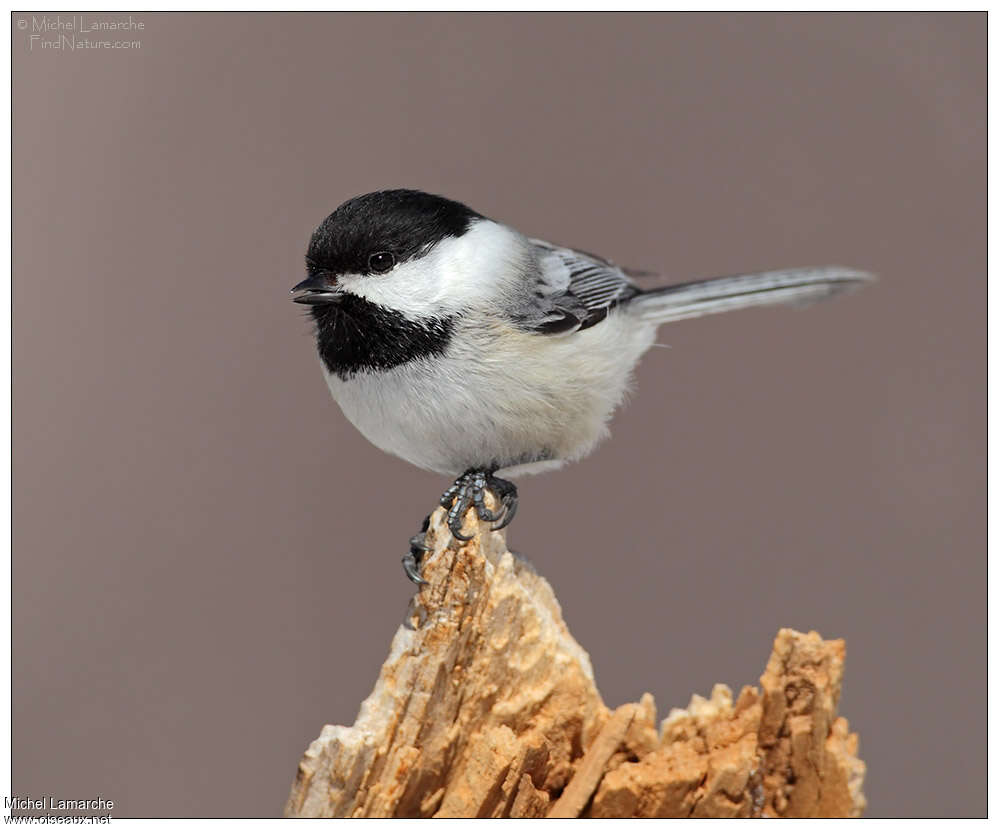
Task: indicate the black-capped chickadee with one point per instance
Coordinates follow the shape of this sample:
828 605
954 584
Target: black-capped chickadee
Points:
466 348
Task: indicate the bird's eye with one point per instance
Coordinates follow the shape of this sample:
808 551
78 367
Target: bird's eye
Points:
381 262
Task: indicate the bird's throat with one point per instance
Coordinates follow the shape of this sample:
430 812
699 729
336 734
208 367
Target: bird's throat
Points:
354 335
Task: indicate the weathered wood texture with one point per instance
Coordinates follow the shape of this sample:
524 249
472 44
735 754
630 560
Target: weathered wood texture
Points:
486 706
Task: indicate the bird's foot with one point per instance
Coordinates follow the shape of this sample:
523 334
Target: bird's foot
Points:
413 560
469 490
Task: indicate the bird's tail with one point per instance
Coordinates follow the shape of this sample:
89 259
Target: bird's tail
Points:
795 286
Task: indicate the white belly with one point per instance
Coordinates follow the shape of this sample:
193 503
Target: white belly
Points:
500 398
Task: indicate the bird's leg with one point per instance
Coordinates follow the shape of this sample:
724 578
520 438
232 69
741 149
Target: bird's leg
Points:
412 561
469 490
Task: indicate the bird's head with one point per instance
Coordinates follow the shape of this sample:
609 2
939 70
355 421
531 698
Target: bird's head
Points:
405 251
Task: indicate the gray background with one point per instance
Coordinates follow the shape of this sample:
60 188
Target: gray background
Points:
206 554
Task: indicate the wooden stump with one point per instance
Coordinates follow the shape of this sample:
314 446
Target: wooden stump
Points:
487 706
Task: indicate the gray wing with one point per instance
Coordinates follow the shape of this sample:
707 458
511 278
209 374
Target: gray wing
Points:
576 290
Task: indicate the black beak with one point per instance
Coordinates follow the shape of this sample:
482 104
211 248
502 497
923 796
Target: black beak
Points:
316 290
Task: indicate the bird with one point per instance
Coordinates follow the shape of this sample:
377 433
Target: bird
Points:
469 349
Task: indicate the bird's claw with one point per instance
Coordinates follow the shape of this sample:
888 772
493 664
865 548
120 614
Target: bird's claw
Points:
412 561
469 491
411 565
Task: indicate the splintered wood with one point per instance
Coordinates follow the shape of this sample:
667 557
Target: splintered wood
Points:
486 706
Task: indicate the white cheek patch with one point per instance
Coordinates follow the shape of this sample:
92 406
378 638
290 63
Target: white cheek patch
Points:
481 267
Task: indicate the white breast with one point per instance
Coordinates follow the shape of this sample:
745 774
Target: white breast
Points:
499 397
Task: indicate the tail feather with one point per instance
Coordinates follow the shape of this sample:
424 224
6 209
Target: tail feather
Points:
796 286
